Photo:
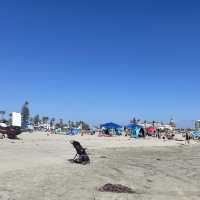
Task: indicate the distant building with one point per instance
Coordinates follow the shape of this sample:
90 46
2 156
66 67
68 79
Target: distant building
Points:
16 119
172 123
157 124
197 125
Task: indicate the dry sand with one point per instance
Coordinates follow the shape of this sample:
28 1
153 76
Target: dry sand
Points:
37 168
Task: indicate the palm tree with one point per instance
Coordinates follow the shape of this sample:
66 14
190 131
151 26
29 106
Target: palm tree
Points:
52 121
25 112
61 123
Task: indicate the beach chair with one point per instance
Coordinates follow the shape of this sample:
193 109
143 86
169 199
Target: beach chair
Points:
81 156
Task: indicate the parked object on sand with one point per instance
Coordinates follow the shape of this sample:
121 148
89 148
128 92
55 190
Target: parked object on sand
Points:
81 156
10 131
14 129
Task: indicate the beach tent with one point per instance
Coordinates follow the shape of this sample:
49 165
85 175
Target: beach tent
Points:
110 125
151 130
58 130
136 130
73 131
196 134
114 128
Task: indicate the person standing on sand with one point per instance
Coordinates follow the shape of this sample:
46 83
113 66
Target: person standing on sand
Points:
187 138
126 132
158 133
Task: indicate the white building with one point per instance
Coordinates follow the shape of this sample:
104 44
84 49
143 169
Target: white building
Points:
197 124
16 119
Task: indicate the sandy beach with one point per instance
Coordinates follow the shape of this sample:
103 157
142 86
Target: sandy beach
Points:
36 167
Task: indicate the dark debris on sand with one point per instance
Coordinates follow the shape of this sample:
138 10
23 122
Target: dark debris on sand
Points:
117 188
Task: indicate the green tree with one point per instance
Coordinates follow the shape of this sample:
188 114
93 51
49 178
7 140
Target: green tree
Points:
25 112
52 121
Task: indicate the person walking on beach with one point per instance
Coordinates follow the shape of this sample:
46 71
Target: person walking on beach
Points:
187 138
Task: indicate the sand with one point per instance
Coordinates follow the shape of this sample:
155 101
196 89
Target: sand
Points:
36 167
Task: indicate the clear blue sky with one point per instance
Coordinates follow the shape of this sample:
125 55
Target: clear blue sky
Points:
101 61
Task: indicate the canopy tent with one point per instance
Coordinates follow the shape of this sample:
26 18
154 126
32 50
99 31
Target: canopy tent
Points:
110 125
112 128
136 130
151 130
